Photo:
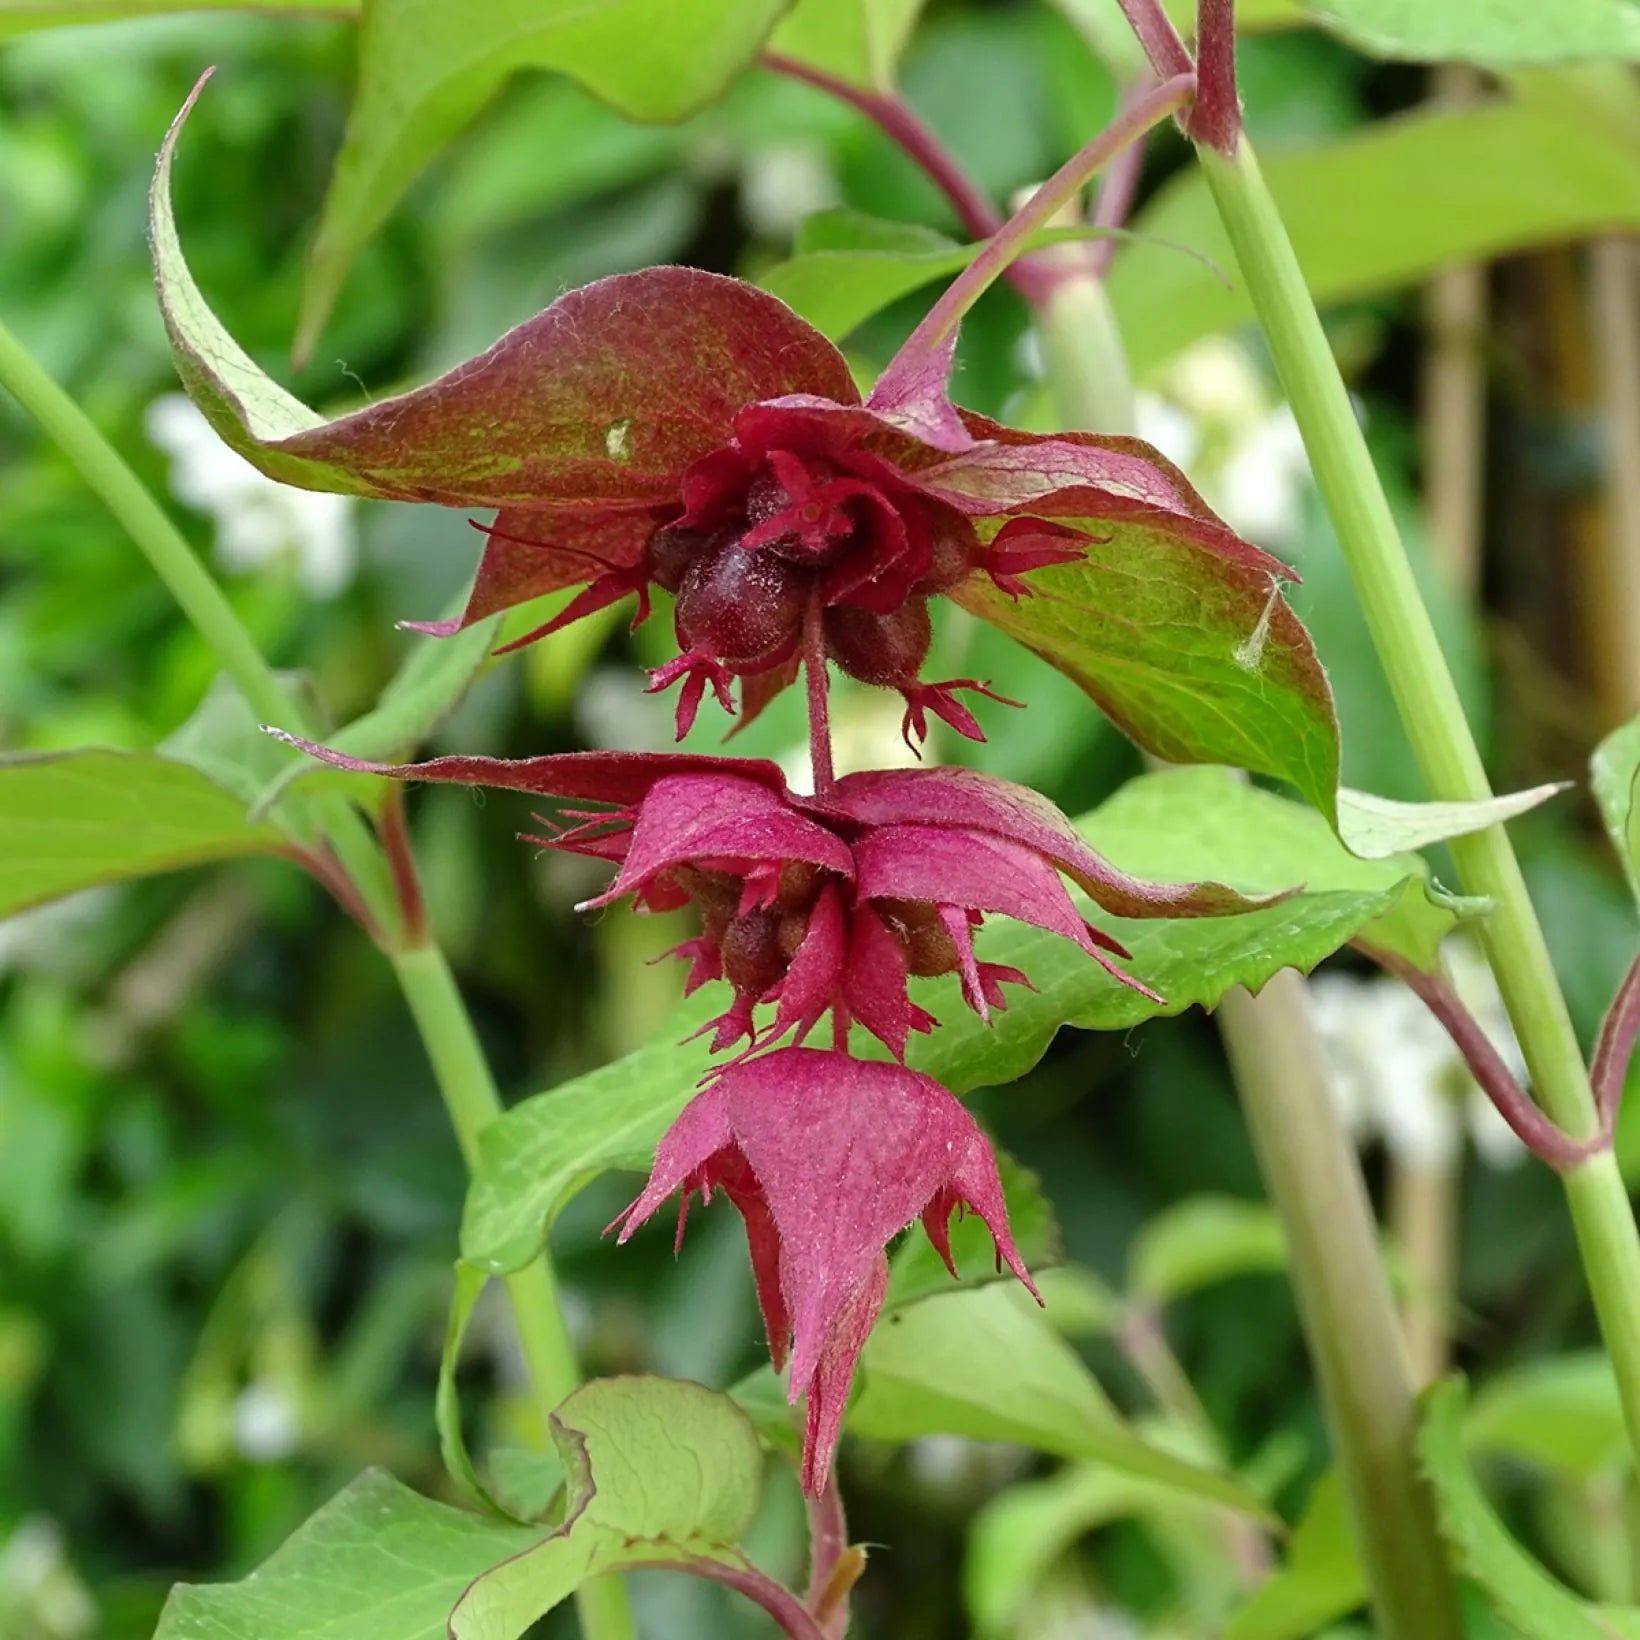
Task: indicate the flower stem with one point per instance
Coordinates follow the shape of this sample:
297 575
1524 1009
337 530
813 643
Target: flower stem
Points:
429 988
900 123
1433 717
1135 118
814 668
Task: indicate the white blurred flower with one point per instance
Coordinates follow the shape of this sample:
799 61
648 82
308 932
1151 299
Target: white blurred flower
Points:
45 935
1211 412
266 1423
783 185
40 1592
1395 1073
258 521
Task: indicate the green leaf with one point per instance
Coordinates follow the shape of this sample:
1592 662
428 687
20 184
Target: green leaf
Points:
1202 1240
427 67
425 690
846 266
1320 1580
1375 828
1182 825
661 1473
1497 33
1616 777
376 1563
1562 1413
988 1364
470 1283
23 16
1017 1536
859 41
1381 209
1197 658
1524 1594
69 820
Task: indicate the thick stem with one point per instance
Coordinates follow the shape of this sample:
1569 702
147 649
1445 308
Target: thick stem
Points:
900 123
819 685
470 1096
1344 1301
1350 1321
1434 720
1423 1220
1216 118
1147 109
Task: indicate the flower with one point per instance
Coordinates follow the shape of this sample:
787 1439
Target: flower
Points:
830 902
258 521
827 1158
1395 1073
678 429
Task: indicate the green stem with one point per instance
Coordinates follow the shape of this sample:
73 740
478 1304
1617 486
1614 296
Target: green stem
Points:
1433 717
459 1066
1309 1168
108 477
470 1096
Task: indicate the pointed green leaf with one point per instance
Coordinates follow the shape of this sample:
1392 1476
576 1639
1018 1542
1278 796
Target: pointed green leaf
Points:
1202 1240
1319 1581
426 67
986 1363
859 41
1384 207
1377 827
376 1563
70 820
660 1473
1181 826
1525 1595
470 1284
23 16
1616 773
1562 1413
1498 33
1197 658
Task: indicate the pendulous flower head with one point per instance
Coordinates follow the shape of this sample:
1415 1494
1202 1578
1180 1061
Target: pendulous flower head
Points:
830 903
827 1159
678 429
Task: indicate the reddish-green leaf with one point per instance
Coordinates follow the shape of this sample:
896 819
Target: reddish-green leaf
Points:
597 401
1195 656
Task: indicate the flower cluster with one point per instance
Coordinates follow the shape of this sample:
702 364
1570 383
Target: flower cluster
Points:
680 431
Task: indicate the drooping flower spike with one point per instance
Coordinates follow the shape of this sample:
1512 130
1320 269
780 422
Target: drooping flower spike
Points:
833 903
827 1158
678 429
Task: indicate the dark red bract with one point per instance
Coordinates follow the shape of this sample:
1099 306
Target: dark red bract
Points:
834 903
827 1158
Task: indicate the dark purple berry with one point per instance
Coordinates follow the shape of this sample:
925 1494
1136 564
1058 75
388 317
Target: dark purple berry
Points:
882 649
671 551
744 609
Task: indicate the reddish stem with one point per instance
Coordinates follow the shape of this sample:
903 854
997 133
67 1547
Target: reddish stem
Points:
325 868
395 836
1147 109
1216 118
1157 36
777 1600
1616 1047
828 1538
814 666
896 119
1115 201
1534 1130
